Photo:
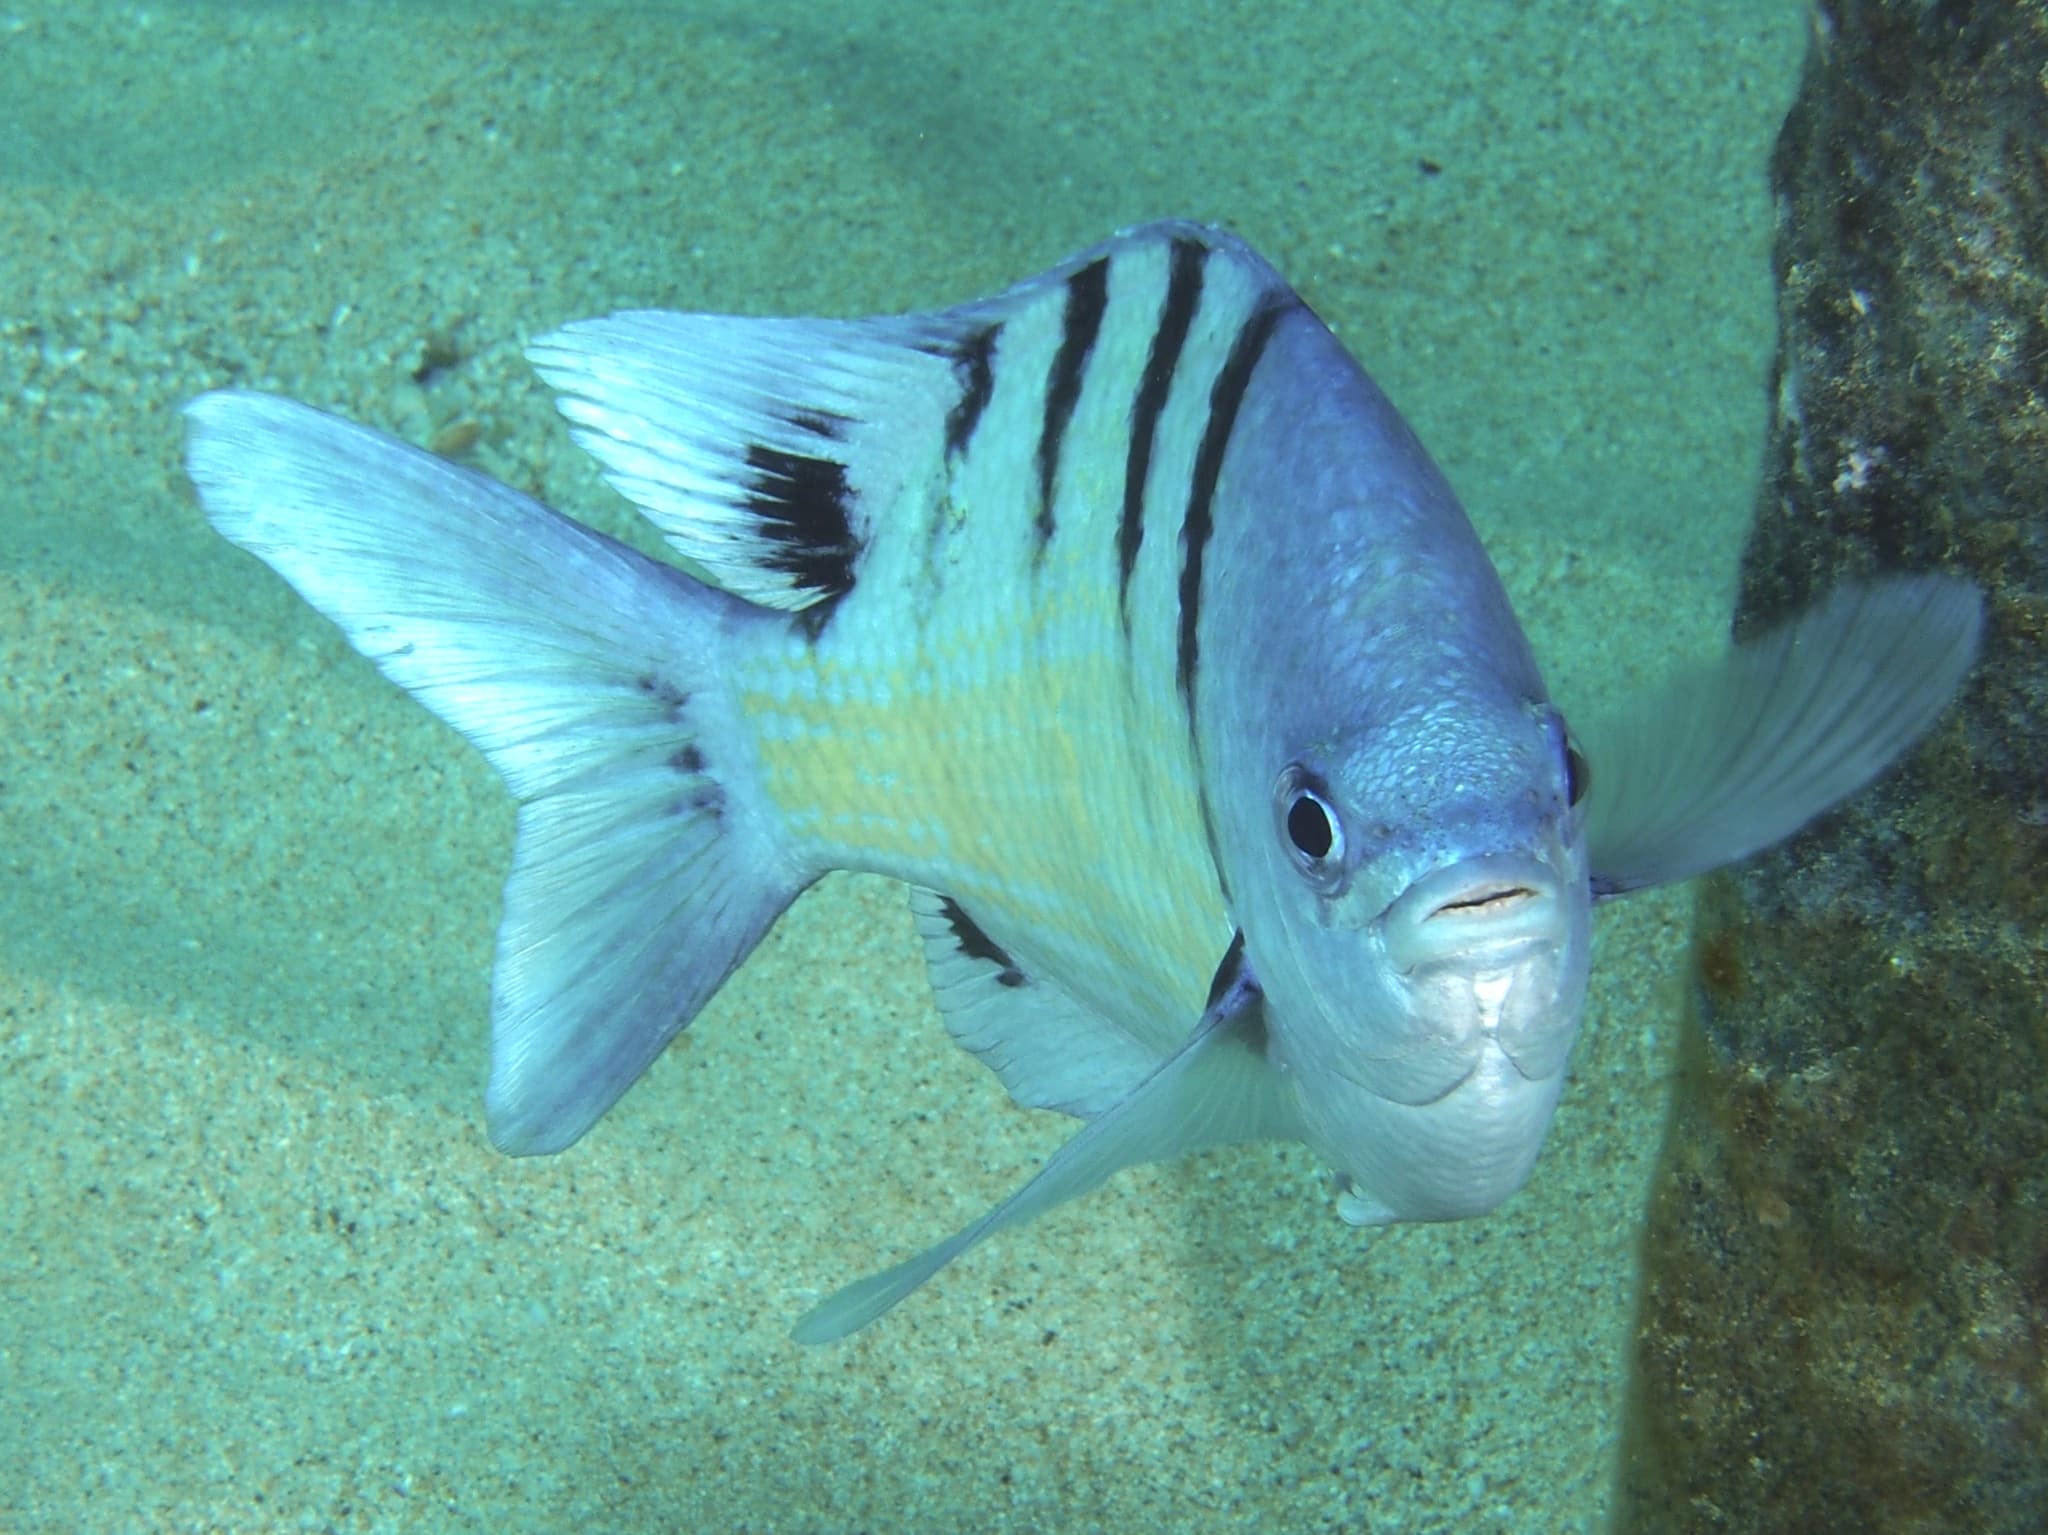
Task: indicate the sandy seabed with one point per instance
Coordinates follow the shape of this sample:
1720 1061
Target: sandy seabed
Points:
259 1269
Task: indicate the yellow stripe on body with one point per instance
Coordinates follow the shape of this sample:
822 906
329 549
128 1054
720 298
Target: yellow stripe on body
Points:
973 717
1000 753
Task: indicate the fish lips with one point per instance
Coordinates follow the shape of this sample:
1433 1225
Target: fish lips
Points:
1474 911
1487 955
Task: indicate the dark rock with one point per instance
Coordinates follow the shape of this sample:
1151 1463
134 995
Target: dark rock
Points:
1844 1320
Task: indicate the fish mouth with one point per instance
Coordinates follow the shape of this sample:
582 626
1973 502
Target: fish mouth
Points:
1476 908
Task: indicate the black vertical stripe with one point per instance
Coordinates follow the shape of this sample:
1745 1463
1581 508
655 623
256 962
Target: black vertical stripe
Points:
1224 399
1228 973
804 509
1183 297
1087 297
977 383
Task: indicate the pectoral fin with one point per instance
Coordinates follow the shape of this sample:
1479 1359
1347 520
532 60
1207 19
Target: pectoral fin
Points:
1216 1088
1726 759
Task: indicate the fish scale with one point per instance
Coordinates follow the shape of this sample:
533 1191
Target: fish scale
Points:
1021 807
1032 652
1123 618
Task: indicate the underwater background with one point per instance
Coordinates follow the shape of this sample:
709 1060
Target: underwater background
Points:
259 1268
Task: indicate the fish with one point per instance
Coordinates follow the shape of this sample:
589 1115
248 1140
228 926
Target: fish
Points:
1123 619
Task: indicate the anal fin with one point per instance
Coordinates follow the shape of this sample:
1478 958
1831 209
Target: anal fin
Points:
1049 1050
1215 1089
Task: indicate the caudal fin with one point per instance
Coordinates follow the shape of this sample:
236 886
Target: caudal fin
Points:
646 867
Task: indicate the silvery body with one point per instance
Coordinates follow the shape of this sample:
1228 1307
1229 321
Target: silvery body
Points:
1123 619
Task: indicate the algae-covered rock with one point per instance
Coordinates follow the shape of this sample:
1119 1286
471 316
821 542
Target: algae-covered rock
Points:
1844 1321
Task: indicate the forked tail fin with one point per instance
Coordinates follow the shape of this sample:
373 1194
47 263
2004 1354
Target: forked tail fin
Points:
647 864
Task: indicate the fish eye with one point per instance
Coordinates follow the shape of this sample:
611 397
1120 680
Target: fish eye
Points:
1311 825
1578 777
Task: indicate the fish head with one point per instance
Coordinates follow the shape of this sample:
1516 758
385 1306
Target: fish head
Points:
1421 937
1394 800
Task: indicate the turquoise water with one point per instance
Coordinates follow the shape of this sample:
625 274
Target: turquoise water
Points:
259 1268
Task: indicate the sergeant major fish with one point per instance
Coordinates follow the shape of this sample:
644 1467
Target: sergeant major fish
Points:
1122 618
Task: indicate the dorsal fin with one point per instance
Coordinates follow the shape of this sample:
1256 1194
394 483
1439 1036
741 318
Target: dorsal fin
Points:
764 449
769 450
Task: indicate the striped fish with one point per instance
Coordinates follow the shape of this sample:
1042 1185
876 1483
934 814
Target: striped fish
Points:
1123 619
